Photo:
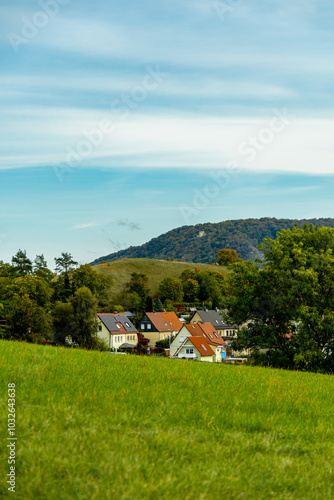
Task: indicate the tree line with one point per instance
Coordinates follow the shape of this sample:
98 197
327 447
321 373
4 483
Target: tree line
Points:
37 304
286 301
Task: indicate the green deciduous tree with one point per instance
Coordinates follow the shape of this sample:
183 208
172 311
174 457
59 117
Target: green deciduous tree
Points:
289 304
26 320
63 321
138 286
190 290
187 274
170 289
6 270
226 256
37 289
84 317
99 284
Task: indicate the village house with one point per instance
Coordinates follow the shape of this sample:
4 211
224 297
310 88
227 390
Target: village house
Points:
226 332
209 336
195 348
159 326
117 330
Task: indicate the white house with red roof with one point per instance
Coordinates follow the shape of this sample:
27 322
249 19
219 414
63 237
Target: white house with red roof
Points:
207 333
195 348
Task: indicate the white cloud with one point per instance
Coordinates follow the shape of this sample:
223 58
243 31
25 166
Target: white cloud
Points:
209 86
177 140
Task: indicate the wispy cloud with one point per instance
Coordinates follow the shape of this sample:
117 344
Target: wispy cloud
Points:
85 225
133 226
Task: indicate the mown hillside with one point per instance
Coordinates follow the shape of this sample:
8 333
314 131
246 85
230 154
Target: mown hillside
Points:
156 270
97 426
201 242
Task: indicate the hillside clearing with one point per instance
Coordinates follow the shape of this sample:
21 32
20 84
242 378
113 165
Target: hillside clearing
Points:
95 426
156 270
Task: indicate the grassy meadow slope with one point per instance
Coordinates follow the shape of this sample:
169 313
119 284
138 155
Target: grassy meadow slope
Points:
95 426
156 270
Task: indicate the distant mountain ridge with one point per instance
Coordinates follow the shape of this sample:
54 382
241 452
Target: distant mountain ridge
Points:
201 242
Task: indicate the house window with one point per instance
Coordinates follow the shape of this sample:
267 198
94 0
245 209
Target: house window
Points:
118 326
127 324
181 339
100 328
142 327
205 349
149 326
190 351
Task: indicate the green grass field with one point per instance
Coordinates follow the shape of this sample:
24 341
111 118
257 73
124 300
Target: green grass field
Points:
156 270
96 426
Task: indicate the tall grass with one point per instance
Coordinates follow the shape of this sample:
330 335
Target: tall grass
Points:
97 426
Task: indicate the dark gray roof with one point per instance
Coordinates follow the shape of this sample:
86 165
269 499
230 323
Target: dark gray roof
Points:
127 346
111 320
213 317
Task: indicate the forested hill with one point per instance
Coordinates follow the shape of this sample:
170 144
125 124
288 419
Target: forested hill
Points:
200 243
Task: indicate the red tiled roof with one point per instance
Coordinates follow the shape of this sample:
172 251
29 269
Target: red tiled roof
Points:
165 321
207 331
202 346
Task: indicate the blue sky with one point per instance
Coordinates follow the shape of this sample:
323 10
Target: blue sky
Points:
123 120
